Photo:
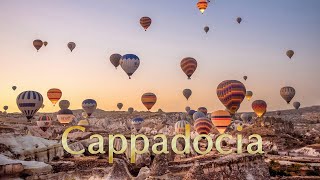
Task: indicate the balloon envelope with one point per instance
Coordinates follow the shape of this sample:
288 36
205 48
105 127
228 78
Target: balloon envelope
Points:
64 104
259 107
188 66
71 46
89 106
198 115
180 126
145 22
287 93
231 93
115 59
203 110
249 95
54 95
221 119
5 108
130 110
29 102
65 116
290 53
187 93
148 100
187 109
37 44
206 29
203 125
45 43
44 122
119 105
137 123
239 19
14 88
129 63
202 5
296 105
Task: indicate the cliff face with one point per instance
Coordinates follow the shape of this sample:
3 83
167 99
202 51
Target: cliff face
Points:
243 166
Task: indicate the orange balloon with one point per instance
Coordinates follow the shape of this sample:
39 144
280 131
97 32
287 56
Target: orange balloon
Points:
148 100
54 95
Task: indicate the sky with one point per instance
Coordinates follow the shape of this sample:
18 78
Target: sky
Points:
255 48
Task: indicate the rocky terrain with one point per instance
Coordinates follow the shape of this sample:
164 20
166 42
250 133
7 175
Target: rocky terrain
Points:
291 142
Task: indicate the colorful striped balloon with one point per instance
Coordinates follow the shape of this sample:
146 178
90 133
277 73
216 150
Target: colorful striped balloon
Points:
231 93
259 107
221 119
287 93
202 5
29 102
188 66
145 22
148 100
203 125
180 126
54 95
44 122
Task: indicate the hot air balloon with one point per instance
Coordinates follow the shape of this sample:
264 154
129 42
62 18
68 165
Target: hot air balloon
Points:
137 123
83 122
287 93
14 88
180 126
249 95
290 53
296 105
202 5
148 100
37 44
198 115
187 93
29 102
130 110
145 22
115 59
221 119
5 108
259 107
246 117
191 112
187 109
89 106
65 116
119 105
54 95
203 110
44 122
206 29
42 106
239 19
45 43
64 104
231 93
129 63
188 66
71 46
245 77
203 125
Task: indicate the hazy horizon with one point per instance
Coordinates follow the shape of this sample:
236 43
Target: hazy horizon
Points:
255 48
